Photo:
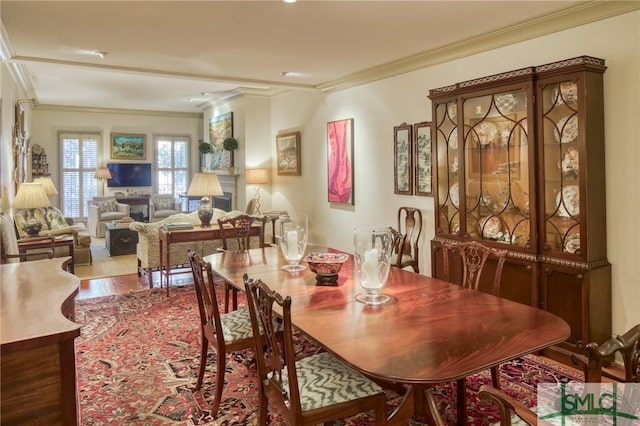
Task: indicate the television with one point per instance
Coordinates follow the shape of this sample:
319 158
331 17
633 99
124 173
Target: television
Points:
129 174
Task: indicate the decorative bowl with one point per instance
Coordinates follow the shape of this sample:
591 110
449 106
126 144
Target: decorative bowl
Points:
326 266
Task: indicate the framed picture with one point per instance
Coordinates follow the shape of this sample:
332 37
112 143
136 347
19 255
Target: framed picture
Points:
288 154
340 161
403 159
422 158
128 146
220 128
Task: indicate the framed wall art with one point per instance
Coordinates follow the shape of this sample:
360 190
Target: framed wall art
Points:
422 158
128 146
288 154
340 161
403 159
220 128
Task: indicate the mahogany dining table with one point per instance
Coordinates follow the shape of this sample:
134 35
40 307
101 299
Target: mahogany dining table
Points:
431 331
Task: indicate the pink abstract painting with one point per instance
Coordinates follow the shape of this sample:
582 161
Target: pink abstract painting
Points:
340 163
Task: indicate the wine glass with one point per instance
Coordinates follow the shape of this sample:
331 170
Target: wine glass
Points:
373 250
294 231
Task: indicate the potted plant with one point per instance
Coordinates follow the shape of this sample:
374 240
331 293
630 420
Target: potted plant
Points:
204 148
230 144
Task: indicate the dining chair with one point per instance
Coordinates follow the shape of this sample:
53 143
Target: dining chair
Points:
591 361
9 251
241 226
474 256
315 389
407 239
241 235
229 332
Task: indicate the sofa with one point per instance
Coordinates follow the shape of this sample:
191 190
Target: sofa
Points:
103 210
148 247
54 223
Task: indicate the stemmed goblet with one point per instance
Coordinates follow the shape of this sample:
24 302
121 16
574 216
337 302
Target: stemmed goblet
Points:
373 250
294 231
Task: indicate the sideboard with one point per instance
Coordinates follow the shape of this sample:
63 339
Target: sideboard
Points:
38 367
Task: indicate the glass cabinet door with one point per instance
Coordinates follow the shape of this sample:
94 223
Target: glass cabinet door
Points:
496 167
448 217
561 154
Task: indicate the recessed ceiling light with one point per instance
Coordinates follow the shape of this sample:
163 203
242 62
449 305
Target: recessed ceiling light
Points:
284 73
289 1
100 54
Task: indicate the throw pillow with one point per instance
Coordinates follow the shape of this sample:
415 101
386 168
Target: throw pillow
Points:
20 217
55 219
163 204
107 206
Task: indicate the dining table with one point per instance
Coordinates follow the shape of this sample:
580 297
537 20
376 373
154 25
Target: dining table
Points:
430 331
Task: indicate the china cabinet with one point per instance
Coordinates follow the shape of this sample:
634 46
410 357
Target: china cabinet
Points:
519 164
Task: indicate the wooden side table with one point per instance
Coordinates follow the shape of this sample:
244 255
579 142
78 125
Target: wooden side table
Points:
26 244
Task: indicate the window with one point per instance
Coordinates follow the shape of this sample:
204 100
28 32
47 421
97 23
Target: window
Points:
79 154
172 164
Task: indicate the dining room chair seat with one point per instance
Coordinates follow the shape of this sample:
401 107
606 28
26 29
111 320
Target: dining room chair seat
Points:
310 390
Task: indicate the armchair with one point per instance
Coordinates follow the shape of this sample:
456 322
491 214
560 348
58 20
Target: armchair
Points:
162 206
102 210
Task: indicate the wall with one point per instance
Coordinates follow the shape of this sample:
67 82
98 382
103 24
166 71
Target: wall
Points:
48 121
378 107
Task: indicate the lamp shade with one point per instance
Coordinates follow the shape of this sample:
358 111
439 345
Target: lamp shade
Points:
47 184
103 173
31 195
257 176
205 185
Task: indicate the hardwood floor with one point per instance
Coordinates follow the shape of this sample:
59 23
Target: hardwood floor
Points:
125 284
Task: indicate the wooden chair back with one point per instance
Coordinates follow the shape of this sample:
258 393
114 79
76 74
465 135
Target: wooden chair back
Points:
242 225
474 256
407 238
595 356
592 363
278 370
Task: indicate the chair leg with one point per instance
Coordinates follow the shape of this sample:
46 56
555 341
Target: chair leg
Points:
461 401
204 349
495 376
221 361
263 408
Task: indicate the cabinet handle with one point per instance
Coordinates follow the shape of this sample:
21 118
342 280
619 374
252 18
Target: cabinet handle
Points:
529 268
547 271
547 246
528 245
579 277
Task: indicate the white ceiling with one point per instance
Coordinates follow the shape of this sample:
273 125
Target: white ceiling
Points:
161 54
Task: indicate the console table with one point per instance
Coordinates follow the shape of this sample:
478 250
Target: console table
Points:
38 364
198 233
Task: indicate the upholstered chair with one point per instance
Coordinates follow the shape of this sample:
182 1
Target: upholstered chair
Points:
161 206
305 391
103 210
9 252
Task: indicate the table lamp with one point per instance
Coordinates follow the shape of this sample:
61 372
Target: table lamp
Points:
31 196
257 177
102 174
205 185
47 184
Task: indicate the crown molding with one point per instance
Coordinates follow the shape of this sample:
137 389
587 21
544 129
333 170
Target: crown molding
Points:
100 110
570 17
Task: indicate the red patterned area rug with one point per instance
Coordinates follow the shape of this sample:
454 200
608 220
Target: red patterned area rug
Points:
138 355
